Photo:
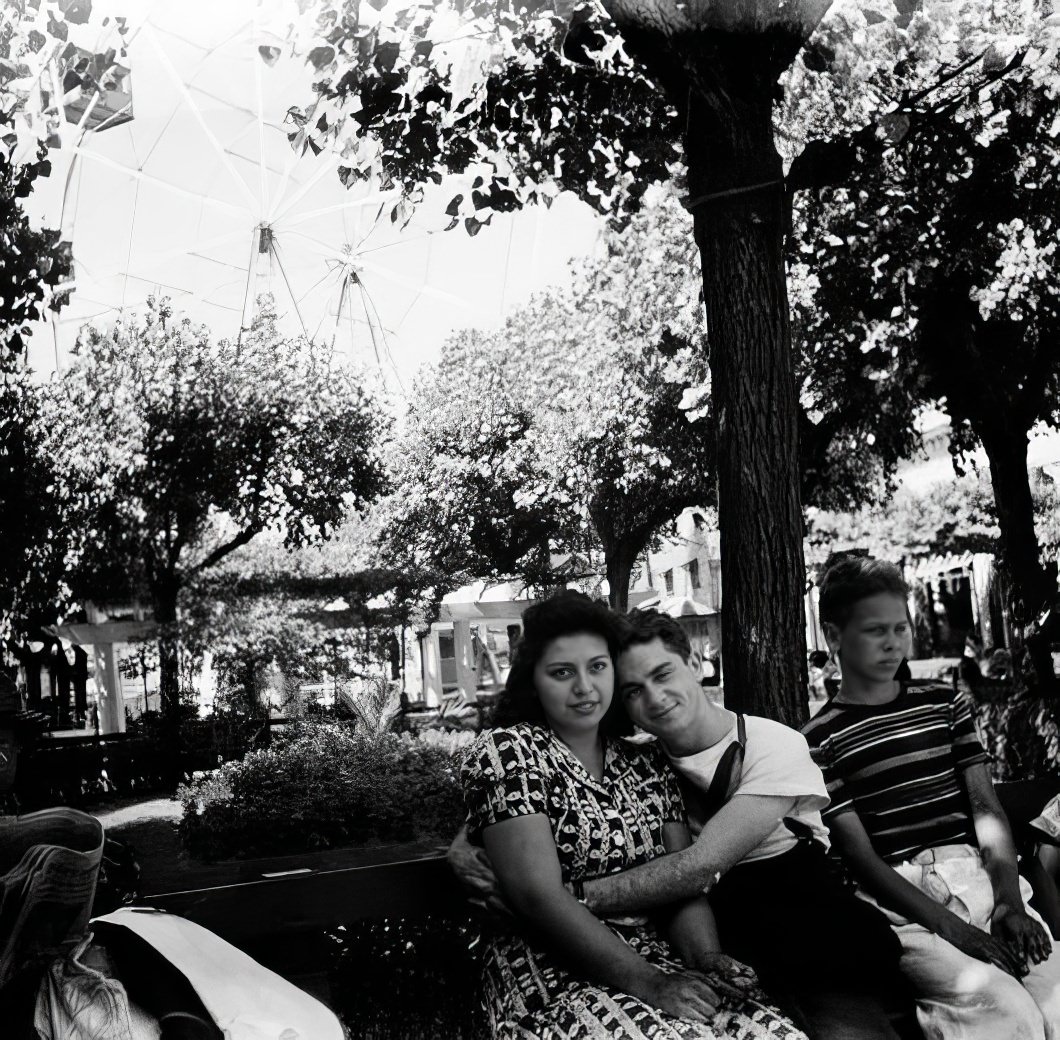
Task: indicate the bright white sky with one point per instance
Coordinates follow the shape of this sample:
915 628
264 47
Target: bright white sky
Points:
169 203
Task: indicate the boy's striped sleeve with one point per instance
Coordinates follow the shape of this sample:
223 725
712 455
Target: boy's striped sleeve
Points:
967 750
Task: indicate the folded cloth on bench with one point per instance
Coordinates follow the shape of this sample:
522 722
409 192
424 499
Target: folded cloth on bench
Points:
80 999
49 862
246 1000
1047 822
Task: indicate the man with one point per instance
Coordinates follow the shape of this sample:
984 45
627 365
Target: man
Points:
759 850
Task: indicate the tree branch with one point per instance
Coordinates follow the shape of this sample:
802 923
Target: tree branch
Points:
832 163
222 551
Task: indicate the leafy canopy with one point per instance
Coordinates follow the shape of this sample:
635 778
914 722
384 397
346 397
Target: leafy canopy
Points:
178 449
952 517
936 274
529 99
574 427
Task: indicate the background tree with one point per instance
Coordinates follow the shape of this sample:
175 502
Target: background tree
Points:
574 429
35 534
941 266
956 516
534 98
459 466
178 450
620 388
308 611
33 263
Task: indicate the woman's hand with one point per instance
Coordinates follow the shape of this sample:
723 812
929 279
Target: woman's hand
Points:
683 994
713 961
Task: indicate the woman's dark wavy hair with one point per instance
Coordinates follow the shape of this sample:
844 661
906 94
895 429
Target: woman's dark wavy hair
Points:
565 614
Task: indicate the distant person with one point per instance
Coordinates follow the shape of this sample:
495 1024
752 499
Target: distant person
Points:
816 661
711 665
915 816
967 676
999 667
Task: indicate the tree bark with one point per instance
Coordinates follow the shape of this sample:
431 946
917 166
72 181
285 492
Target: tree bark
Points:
165 608
169 676
1032 585
1006 450
729 147
619 560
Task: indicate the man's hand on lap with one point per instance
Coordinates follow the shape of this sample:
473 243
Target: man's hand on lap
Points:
474 871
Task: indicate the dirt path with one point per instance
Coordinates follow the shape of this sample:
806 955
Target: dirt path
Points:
114 817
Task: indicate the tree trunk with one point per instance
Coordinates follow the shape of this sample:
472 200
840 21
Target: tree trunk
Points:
165 608
1006 449
619 560
729 147
168 651
1032 586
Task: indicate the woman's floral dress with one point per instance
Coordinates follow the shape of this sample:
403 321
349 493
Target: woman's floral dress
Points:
600 827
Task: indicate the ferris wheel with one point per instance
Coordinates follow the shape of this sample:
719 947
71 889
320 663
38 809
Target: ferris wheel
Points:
180 175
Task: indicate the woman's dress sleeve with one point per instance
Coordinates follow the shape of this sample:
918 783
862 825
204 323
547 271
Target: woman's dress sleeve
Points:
502 778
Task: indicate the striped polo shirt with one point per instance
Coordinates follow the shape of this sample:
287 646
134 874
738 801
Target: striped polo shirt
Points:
898 766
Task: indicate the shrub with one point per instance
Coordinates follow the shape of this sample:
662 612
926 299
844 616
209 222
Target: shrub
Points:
321 786
453 741
1021 734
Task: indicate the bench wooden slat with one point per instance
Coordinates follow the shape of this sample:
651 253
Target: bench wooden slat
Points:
249 911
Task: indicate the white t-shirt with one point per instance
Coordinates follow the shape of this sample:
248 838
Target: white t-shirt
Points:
776 762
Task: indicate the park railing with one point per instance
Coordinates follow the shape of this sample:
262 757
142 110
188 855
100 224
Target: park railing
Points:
78 771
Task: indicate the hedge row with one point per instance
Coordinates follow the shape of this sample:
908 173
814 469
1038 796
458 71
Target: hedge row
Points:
322 786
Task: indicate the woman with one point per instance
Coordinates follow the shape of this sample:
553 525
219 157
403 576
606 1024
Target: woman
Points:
556 798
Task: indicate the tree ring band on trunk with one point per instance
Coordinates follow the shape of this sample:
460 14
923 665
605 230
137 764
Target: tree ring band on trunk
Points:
699 200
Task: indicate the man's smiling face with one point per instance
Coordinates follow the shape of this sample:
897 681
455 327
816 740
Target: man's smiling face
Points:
659 689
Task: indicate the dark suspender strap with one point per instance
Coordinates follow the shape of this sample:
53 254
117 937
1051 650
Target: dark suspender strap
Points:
727 776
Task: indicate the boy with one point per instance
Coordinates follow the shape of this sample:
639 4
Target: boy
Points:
915 816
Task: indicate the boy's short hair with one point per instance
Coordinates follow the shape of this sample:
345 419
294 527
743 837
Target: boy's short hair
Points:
850 579
642 626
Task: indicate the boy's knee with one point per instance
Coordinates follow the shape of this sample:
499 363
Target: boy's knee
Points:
1021 1017
996 998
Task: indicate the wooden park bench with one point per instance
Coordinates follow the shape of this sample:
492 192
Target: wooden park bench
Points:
279 909
248 898
244 900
